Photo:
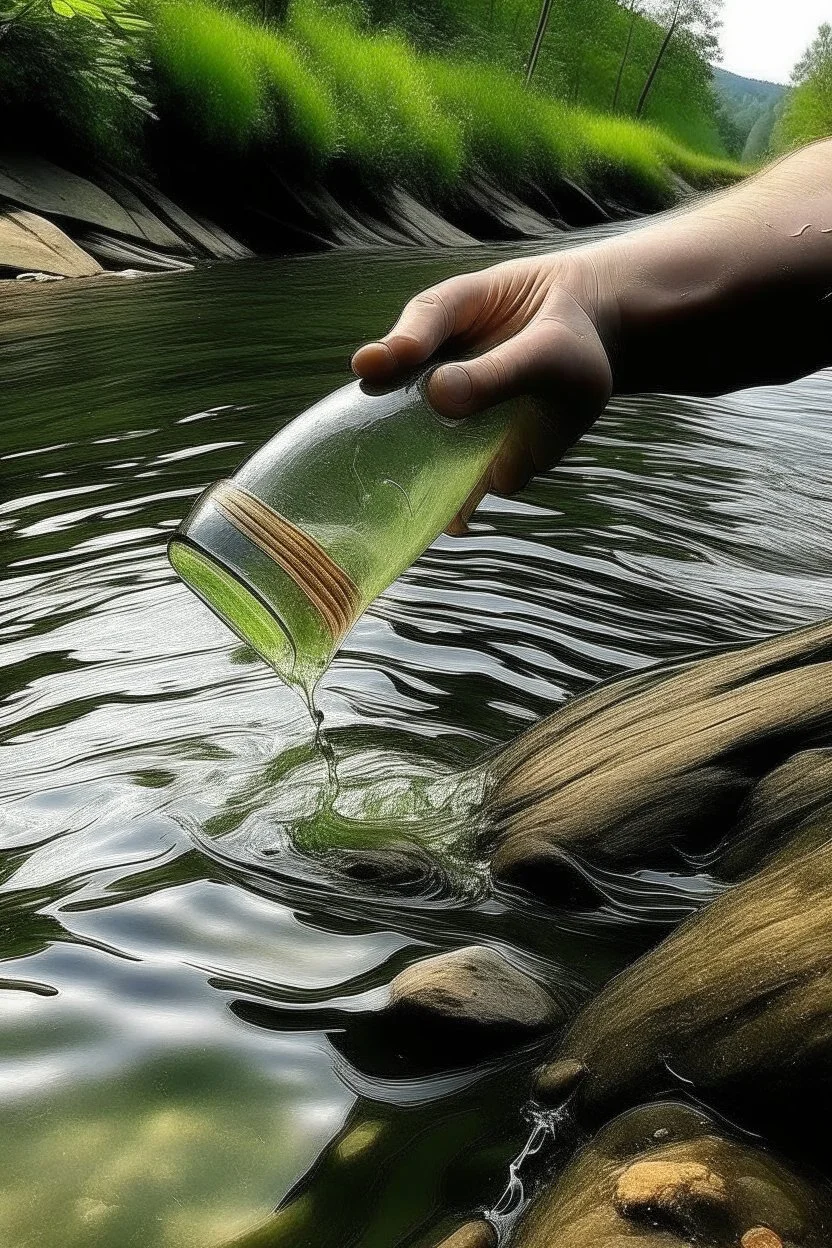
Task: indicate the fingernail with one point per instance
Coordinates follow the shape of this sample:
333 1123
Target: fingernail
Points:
456 384
377 355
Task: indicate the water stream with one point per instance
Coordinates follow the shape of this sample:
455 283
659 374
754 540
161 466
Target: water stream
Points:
182 988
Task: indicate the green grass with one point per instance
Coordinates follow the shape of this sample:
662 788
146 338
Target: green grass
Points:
321 93
391 121
237 85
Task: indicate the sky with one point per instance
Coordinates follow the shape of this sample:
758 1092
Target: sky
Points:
764 38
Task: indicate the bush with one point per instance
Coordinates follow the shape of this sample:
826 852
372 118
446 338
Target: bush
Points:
72 76
390 122
238 85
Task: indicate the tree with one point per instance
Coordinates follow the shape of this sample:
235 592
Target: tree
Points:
626 53
537 42
697 22
807 114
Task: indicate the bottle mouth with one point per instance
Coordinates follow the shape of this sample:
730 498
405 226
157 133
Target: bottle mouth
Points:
236 604
330 590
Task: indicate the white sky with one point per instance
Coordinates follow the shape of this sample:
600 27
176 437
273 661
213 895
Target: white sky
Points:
764 38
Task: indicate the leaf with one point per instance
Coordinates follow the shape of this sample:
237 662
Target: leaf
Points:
86 9
62 8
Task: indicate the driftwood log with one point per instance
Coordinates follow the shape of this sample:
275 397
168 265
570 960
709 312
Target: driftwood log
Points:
666 1174
661 766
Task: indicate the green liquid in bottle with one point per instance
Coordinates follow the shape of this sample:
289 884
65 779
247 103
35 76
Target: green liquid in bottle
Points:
293 548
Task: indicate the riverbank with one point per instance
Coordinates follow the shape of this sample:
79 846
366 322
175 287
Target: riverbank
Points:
226 137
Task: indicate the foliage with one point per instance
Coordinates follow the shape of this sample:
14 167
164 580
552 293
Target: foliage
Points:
390 120
232 84
75 67
747 109
582 51
334 86
807 113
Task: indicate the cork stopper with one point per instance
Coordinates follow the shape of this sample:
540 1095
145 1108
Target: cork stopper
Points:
328 587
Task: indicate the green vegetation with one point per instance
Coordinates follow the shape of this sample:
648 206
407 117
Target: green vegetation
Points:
747 111
328 86
807 114
72 69
203 95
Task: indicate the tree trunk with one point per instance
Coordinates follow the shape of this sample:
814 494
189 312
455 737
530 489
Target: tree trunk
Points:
621 67
651 77
542 23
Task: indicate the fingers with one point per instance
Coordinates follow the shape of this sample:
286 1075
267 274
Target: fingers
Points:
562 364
514 367
429 320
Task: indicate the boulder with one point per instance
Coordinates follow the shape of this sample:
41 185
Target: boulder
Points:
735 1005
667 1174
785 815
29 243
649 770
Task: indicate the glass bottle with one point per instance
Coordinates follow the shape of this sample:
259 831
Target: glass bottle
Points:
293 548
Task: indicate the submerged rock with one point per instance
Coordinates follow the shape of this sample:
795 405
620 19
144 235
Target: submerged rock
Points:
450 1011
667 1174
472 1235
735 1005
656 766
473 996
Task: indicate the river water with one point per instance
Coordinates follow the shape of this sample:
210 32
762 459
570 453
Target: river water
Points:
176 1040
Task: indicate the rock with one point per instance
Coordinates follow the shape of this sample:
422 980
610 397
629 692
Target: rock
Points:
423 226
667 1174
47 188
204 237
761 1237
122 253
654 768
664 1188
476 1235
29 243
473 996
555 1082
736 1005
785 815
449 1012
120 220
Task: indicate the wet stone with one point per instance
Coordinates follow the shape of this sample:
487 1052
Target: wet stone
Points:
478 989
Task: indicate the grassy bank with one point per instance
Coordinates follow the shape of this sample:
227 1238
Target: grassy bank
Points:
208 96
320 90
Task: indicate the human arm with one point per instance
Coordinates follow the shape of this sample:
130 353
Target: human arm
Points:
735 290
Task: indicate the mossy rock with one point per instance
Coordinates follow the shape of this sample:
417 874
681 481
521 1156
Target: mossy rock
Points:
667 1174
651 769
735 1005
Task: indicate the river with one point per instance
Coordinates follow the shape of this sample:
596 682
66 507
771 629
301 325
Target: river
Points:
171 1029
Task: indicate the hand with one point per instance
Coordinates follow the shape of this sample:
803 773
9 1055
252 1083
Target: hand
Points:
533 328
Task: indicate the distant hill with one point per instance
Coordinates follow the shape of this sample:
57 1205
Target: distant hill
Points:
734 84
747 109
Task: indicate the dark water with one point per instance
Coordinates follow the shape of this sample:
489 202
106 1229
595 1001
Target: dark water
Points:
172 1029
